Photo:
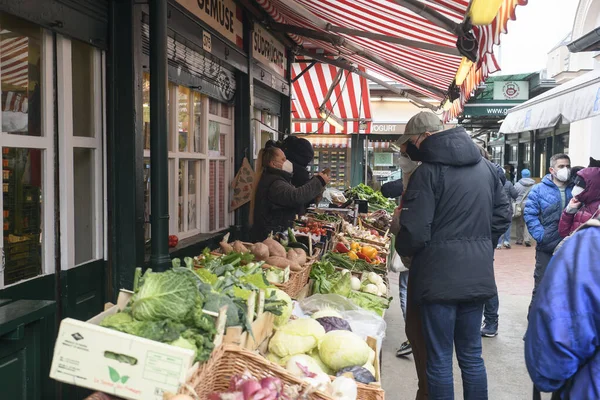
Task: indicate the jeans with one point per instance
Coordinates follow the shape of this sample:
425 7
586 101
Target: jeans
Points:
505 237
542 259
403 287
446 325
416 335
523 235
490 311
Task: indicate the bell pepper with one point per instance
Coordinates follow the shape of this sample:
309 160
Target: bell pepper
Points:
341 248
355 246
362 256
352 255
369 251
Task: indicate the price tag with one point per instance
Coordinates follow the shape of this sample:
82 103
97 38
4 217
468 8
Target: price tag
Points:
206 41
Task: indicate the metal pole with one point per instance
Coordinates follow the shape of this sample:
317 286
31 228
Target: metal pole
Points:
159 162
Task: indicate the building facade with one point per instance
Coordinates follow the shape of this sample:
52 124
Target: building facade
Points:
75 148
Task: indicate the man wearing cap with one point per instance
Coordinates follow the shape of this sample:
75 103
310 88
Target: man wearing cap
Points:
523 188
449 225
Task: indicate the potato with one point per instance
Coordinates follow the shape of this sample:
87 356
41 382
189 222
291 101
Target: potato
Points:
292 255
260 251
226 247
239 247
282 262
301 259
275 248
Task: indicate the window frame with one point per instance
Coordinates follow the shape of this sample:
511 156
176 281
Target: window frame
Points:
45 142
68 142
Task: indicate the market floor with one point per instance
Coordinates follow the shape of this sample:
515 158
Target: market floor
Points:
503 355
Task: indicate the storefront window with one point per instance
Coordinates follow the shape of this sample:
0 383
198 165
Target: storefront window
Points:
204 127
82 56
22 213
84 201
20 76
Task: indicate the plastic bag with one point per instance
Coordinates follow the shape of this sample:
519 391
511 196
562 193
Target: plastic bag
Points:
364 323
397 265
334 196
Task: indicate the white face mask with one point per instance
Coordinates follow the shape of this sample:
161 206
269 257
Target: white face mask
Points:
563 175
288 167
406 164
577 190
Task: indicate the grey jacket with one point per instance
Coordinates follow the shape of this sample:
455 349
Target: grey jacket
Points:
522 187
511 192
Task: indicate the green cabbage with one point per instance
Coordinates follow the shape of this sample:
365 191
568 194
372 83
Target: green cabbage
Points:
286 312
166 295
296 337
314 354
341 349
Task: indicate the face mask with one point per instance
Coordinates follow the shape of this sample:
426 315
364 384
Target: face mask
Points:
577 190
413 152
406 164
288 166
563 175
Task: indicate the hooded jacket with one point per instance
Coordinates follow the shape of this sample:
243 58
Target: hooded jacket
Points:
563 335
277 201
522 187
511 193
590 198
300 153
448 224
542 213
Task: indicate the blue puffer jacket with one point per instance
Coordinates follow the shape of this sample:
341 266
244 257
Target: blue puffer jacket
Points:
563 337
542 213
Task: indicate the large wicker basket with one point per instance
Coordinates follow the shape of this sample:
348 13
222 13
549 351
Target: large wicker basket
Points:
299 279
229 360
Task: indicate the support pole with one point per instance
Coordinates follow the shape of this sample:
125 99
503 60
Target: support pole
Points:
159 152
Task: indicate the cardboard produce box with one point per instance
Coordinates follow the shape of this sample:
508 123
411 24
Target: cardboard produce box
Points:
127 366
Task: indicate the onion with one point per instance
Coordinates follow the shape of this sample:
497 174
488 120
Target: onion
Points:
271 383
249 388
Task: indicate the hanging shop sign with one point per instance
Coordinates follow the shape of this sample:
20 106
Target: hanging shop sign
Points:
487 110
511 90
223 16
388 129
268 51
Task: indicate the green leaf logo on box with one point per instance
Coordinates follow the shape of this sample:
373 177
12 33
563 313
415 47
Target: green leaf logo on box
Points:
116 377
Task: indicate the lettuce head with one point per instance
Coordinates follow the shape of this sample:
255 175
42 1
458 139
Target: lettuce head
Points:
296 337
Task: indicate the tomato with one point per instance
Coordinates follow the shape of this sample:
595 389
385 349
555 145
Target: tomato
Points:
173 240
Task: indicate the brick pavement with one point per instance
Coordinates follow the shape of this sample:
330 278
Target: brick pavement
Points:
514 270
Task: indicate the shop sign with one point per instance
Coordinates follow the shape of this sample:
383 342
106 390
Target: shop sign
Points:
511 90
388 129
221 15
483 110
268 51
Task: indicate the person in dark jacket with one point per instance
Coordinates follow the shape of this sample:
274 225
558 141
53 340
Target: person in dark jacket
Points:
543 209
300 153
511 193
276 200
393 189
561 344
448 225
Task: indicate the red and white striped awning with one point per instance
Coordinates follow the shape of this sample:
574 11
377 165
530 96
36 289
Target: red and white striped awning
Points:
388 17
14 59
330 142
349 101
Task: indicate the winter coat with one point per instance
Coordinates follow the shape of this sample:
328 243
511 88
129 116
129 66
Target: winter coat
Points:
542 213
563 335
522 187
300 153
277 201
590 198
511 193
448 224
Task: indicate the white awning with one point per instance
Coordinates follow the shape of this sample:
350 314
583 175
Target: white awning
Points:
570 102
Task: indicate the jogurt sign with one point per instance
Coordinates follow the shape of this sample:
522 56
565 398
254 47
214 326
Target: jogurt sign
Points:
221 15
268 51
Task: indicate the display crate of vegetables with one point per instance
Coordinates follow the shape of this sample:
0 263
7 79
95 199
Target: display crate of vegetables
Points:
368 290
376 200
322 348
287 265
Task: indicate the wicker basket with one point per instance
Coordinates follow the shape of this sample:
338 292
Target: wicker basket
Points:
299 279
229 360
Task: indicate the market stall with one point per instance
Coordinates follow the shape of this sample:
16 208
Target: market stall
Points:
299 315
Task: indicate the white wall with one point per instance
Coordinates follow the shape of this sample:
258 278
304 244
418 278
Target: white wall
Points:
393 111
584 141
556 61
